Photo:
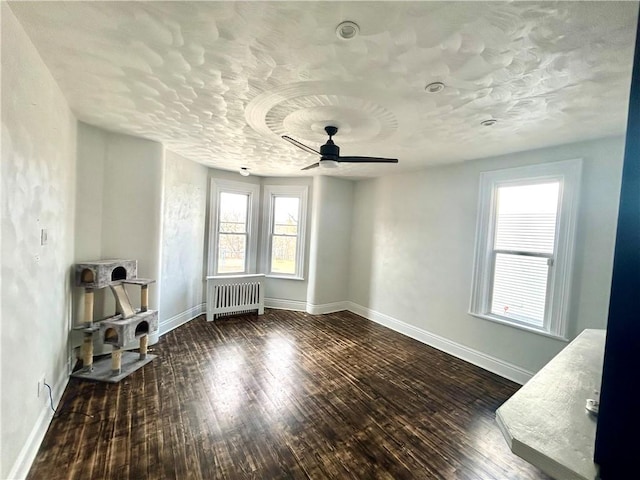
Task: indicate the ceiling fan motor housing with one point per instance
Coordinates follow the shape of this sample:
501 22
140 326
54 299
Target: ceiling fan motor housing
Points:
330 151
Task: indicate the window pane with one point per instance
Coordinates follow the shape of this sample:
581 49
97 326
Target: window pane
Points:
520 288
283 254
285 215
231 253
233 212
526 218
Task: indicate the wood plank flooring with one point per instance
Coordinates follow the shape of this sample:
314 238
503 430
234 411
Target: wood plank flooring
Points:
285 396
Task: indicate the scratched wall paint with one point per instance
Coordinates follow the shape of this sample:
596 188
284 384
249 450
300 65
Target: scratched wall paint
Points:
38 191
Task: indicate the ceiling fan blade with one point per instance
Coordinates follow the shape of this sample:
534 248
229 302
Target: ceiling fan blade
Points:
301 146
367 160
315 165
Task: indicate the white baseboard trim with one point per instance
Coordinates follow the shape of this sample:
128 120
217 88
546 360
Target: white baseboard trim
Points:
310 308
28 453
327 308
182 318
281 304
482 360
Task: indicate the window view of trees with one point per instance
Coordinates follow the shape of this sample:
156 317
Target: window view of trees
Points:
232 236
284 240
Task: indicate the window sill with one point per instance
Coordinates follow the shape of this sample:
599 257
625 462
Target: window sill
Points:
284 277
234 275
519 326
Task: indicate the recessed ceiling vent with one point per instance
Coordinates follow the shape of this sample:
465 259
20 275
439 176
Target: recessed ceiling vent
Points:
347 30
434 87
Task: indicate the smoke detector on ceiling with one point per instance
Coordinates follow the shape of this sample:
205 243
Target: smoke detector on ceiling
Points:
489 123
347 30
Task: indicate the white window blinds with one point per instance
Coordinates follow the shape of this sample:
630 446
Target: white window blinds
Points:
524 246
524 242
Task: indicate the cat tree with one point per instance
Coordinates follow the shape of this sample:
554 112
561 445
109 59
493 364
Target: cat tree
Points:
123 328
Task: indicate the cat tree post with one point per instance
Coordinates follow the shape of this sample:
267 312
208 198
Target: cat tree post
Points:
87 352
87 342
88 306
144 298
144 342
116 360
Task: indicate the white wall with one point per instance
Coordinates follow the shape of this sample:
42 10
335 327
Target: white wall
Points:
92 151
132 206
413 242
38 190
183 227
332 207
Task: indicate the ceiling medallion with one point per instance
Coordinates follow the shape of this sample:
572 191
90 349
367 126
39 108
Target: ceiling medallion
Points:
304 109
347 30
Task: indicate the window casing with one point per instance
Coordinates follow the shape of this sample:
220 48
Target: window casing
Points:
525 236
233 227
284 232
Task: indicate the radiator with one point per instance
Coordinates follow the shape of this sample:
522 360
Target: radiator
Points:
234 294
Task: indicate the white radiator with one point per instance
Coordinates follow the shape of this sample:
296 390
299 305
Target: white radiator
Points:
234 294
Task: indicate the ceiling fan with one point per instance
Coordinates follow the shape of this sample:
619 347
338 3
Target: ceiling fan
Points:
330 152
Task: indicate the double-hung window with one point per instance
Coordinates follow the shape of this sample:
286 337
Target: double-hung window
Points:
233 229
285 230
524 244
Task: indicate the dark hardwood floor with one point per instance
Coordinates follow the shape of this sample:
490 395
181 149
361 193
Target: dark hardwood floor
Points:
285 395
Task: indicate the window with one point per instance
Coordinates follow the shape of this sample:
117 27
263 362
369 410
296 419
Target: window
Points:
285 230
524 244
233 239
232 232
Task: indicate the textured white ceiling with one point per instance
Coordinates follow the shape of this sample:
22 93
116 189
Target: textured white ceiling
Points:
219 82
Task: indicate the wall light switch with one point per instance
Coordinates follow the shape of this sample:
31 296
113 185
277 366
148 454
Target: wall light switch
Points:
43 236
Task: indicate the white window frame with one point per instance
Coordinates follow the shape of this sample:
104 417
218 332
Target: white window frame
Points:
218 187
568 172
271 192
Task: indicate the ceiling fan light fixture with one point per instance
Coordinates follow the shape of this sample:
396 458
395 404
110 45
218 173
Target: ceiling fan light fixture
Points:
328 164
434 87
244 171
347 30
330 152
